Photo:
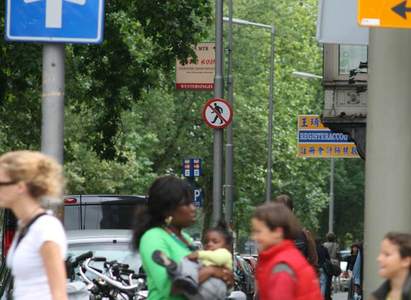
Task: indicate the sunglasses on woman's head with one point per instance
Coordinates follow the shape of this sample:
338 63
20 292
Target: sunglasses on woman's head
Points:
7 183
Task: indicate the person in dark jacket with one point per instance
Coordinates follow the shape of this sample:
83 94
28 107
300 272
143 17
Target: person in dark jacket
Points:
323 256
394 263
304 239
333 249
355 248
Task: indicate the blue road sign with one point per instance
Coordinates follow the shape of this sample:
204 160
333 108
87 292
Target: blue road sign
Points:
192 167
198 197
69 21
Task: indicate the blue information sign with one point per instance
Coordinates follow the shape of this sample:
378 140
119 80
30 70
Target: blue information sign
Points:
192 167
198 197
67 21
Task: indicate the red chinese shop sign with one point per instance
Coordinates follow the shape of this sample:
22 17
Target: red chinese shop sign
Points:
197 75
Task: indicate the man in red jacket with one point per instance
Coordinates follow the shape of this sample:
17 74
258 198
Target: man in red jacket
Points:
282 271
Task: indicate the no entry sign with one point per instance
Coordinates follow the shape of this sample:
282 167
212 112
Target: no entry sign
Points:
217 113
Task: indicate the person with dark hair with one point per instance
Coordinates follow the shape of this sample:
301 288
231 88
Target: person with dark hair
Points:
333 251
332 246
286 200
160 226
355 291
323 256
304 240
394 265
355 249
218 246
282 272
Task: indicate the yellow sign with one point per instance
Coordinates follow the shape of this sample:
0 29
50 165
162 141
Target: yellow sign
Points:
317 141
384 13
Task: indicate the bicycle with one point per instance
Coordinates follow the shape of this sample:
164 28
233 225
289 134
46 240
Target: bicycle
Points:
115 282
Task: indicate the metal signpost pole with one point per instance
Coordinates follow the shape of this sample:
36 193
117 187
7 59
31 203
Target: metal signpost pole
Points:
218 133
270 121
52 127
52 131
229 172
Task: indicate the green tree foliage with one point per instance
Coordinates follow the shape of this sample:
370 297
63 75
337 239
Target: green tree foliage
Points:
349 201
138 46
126 124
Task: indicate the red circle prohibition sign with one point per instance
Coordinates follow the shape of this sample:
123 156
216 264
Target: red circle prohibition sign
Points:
217 113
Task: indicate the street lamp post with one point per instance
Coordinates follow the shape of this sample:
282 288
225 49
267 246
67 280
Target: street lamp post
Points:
331 204
306 75
270 105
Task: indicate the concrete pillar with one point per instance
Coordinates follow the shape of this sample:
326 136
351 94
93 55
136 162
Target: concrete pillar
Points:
388 160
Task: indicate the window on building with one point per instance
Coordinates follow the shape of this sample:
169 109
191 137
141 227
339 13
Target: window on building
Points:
350 57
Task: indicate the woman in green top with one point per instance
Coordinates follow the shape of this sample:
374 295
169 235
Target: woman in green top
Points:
160 226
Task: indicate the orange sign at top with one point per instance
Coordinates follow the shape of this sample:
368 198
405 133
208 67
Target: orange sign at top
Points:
384 13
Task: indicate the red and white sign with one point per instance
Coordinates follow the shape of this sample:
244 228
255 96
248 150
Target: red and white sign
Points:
217 113
199 75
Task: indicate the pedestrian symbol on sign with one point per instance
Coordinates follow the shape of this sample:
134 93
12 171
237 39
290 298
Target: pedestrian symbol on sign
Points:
217 113
54 11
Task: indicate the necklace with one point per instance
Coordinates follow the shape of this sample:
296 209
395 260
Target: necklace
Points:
179 238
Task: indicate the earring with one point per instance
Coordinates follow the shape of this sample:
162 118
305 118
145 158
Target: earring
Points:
168 220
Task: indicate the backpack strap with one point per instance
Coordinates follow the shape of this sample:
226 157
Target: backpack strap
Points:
26 228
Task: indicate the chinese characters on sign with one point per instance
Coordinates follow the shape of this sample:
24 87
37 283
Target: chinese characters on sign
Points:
197 75
317 141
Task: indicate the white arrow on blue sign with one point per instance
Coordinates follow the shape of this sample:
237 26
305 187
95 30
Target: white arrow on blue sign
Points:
67 21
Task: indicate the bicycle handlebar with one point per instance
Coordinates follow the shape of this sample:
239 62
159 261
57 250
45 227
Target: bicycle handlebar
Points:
82 257
108 279
99 259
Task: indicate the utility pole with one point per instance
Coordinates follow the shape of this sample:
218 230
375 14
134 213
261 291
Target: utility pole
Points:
388 163
218 133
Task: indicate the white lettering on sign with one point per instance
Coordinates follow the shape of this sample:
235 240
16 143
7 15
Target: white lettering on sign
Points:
54 11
